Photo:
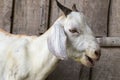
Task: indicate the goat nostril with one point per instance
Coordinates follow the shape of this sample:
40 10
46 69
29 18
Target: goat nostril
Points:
97 53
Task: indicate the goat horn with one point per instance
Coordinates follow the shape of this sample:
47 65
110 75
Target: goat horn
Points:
74 7
65 10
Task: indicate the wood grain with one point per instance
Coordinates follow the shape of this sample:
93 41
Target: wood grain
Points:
84 73
5 14
109 41
96 12
31 16
114 23
66 70
108 66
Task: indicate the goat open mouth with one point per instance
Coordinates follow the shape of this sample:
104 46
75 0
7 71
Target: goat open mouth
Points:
91 61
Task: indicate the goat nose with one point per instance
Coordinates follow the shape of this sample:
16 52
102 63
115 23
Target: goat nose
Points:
98 54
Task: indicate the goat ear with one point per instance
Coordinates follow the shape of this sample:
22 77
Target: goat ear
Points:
57 42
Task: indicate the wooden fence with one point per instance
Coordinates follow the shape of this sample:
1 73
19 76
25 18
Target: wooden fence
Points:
34 17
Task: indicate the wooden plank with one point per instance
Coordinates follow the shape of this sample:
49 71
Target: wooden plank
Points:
109 65
114 23
84 73
109 41
5 14
69 72
31 16
96 12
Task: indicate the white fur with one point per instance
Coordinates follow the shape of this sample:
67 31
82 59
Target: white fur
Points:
25 57
32 58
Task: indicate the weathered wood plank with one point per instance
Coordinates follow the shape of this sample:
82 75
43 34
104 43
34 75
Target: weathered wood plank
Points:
114 24
109 65
109 41
69 72
31 16
97 12
5 14
84 73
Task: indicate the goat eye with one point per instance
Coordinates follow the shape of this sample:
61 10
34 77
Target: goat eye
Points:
73 30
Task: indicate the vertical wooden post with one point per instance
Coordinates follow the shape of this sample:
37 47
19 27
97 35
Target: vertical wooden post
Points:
5 14
114 23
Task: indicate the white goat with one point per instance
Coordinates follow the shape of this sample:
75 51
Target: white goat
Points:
33 58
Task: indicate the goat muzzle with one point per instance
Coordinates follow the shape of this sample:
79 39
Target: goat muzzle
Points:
90 57
95 55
